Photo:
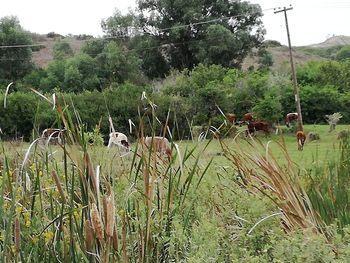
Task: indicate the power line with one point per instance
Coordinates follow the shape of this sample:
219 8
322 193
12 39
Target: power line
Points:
20 46
158 30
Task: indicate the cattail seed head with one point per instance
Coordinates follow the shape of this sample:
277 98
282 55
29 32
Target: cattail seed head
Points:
110 214
96 222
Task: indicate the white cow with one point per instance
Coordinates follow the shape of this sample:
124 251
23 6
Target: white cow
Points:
119 139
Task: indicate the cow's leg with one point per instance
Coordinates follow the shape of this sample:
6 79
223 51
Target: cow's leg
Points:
110 143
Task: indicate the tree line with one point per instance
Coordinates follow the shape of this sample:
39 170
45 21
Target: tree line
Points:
185 65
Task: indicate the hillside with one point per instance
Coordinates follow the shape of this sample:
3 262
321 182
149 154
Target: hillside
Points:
333 41
280 54
42 57
281 57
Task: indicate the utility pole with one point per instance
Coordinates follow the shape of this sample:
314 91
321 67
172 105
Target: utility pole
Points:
294 76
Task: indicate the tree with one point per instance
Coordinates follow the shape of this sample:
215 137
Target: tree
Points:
269 108
265 58
343 53
83 68
15 62
191 32
62 50
119 25
185 28
218 47
117 64
153 63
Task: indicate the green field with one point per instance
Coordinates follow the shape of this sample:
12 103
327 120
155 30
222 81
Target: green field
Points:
193 212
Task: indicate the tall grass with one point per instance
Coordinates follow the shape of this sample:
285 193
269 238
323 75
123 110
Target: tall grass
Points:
79 208
259 172
329 188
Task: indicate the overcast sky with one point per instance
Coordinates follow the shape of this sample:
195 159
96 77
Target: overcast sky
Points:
310 21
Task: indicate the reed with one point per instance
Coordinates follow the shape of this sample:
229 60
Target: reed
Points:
260 173
69 209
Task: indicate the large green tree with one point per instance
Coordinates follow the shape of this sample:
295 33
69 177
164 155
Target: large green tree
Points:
186 33
15 54
224 29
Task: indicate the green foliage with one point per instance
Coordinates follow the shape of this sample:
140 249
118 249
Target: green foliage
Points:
343 53
94 137
328 188
62 50
119 25
14 62
329 52
269 108
219 46
148 48
314 98
17 119
265 58
120 64
185 47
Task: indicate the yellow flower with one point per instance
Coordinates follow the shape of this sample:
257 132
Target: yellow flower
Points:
18 210
41 173
26 216
32 167
77 215
48 236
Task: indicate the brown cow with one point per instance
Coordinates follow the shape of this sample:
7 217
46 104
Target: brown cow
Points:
247 118
231 117
159 144
254 126
53 135
290 117
301 139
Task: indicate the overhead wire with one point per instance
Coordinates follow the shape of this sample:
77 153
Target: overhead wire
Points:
158 30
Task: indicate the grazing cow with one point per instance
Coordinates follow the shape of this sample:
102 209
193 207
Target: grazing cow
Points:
290 117
119 139
247 118
254 126
231 118
53 135
159 144
301 139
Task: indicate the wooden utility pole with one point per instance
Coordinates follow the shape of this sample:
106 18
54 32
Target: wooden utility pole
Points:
294 76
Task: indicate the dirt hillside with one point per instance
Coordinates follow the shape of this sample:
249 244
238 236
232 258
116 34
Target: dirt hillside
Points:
280 54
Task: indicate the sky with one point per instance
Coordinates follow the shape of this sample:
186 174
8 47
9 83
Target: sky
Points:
310 21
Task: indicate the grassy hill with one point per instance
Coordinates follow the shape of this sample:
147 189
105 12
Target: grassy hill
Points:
43 56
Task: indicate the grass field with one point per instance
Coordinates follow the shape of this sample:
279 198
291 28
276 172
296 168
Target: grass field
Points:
85 203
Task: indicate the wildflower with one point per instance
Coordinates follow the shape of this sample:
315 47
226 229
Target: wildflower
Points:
26 216
32 167
48 236
18 210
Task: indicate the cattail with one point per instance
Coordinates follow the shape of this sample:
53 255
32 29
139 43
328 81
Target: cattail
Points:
96 222
17 236
88 235
59 186
91 172
110 214
115 239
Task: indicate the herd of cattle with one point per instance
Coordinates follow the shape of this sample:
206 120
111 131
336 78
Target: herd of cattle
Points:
156 143
260 125
163 146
